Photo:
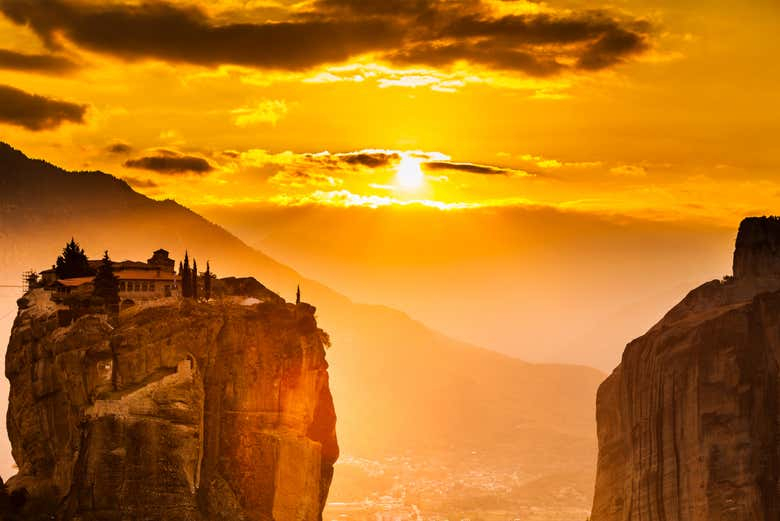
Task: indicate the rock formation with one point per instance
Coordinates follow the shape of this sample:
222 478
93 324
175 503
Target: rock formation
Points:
689 422
175 411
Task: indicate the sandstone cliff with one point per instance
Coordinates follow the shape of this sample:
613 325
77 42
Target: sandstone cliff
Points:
689 422
173 411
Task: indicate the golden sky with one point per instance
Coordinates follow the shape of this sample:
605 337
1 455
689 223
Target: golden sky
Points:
661 109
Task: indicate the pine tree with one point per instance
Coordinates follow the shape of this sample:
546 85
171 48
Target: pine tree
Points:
73 262
186 278
107 284
194 279
207 282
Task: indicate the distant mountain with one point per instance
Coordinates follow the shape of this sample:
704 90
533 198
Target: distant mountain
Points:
399 387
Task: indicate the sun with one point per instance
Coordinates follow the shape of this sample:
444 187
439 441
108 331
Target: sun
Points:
409 175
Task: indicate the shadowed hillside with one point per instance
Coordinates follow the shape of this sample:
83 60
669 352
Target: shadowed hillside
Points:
399 387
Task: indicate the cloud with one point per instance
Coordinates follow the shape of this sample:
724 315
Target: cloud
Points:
433 33
119 147
326 168
35 112
487 53
369 158
629 170
187 34
300 179
267 111
136 182
35 62
321 169
348 199
171 163
389 77
472 168
610 48
550 163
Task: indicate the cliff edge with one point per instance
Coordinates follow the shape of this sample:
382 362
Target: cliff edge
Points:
174 410
689 422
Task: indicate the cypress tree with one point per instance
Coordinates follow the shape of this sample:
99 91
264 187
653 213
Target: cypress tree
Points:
207 282
107 284
298 295
73 262
181 271
186 278
194 279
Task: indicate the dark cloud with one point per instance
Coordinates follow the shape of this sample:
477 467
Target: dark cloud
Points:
187 34
426 32
368 159
486 53
416 8
364 158
611 48
471 168
34 62
35 112
119 147
171 163
137 182
594 38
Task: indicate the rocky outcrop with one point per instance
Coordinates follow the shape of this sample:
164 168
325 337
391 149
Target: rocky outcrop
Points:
173 411
757 252
689 422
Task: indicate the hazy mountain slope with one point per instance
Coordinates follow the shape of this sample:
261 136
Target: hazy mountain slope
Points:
398 386
499 277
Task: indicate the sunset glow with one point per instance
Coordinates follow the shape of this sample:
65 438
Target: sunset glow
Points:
410 175
563 124
421 234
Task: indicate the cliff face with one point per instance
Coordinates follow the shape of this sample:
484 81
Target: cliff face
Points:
175 411
757 252
689 422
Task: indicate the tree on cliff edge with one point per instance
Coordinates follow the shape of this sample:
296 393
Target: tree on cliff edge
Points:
194 287
184 275
107 283
73 262
207 282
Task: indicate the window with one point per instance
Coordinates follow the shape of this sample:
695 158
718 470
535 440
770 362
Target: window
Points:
144 286
121 286
151 286
138 286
